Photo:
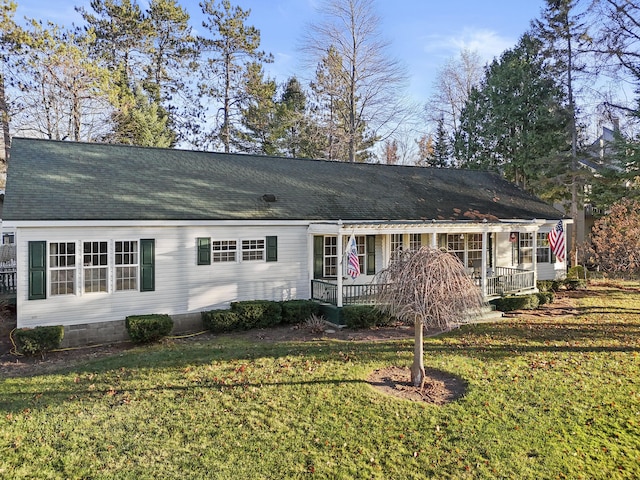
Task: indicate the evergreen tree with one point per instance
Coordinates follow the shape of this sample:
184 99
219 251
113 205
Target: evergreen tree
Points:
230 50
515 120
258 113
441 150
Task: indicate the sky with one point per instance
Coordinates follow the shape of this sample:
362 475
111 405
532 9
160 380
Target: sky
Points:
423 34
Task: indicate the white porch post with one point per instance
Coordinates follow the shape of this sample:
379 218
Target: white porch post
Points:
434 240
534 257
484 266
340 265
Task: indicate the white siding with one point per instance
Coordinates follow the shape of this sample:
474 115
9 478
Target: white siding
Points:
181 286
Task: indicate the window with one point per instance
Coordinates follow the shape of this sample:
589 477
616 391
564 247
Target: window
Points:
415 241
330 255
62 261
455 245
224 251
526 247
474 249
396 245
252 250
94 261
8 238
467 247
543 250
126 265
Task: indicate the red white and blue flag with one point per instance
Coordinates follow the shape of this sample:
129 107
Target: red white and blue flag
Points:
353 263
557 241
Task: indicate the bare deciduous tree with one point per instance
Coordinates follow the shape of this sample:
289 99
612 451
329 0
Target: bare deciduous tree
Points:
452 87
427 287
372 79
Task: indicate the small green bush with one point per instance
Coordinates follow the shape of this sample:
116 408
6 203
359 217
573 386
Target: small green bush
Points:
577 273
364 316
516 302
257 313
574 283
148 328
549 285
220 321
545 297
39 340
297 311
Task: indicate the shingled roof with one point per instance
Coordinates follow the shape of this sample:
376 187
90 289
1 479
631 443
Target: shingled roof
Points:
52 180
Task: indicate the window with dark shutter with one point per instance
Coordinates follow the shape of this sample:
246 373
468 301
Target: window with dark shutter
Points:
204 251
37 270
272 249
147 265
371 254
318 256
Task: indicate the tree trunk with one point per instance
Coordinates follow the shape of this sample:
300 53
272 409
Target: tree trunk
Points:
417 368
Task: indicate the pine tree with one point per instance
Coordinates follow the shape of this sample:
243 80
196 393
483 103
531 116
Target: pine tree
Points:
230 50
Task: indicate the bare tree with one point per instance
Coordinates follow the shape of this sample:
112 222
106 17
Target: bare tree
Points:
427 287
372 79
452 87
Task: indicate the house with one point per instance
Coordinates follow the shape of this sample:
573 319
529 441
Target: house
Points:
106 231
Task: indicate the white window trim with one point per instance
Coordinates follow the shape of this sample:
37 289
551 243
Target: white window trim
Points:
253 239
236 251
114 267
84 267
76 269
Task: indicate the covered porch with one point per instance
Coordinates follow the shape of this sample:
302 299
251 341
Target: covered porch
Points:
498 264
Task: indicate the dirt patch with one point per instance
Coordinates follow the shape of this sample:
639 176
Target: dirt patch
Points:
439 387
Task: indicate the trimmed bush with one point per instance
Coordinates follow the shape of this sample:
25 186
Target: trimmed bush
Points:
297 311
38 340
545 297
148 328
574 283
220 321
577 273
516 302
364 316
257 313
548 285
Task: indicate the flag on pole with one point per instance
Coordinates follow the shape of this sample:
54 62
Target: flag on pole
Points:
557 241
353 264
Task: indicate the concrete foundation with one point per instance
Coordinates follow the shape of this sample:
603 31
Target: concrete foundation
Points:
115 331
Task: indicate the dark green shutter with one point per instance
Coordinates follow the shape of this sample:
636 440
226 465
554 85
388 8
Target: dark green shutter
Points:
318 256
147 265
371 254
272 249
37 270
204 251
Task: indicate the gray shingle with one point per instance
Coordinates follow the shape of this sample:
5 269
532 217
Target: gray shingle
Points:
50 180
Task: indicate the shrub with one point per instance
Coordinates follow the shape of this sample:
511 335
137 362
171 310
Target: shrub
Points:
577 273
257 313
219 321
364 316
516 302
548 285
315 323
148 328
545 297
574 283
295 311
38 340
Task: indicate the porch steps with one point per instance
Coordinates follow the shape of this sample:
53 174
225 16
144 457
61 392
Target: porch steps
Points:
488 314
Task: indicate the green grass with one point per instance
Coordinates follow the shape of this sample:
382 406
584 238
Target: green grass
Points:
547 398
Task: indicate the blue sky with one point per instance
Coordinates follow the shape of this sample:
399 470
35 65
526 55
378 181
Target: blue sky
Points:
423 33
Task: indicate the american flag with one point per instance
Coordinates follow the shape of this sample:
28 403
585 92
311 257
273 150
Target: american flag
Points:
557 241
353 264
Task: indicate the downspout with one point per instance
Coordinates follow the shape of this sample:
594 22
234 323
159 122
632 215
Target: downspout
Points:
339 271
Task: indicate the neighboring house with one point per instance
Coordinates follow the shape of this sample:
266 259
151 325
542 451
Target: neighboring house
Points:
106 231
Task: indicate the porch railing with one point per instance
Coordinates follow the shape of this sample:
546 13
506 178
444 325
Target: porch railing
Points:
509 280
351 294
7 282
503 281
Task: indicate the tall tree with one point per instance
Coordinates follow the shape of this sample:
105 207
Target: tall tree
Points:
562 31
298 136
451 89
258 113
230 50
10 40
441 149
64 92
515 120
425 150
370 100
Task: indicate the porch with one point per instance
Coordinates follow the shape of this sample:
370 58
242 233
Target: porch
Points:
501 281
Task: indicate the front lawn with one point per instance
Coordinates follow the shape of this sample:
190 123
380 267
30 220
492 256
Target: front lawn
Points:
547 397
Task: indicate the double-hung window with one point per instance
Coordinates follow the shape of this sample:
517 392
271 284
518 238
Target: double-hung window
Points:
224 250
252 250
543 250
62 262
126 260
95 266
526 247
415 241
